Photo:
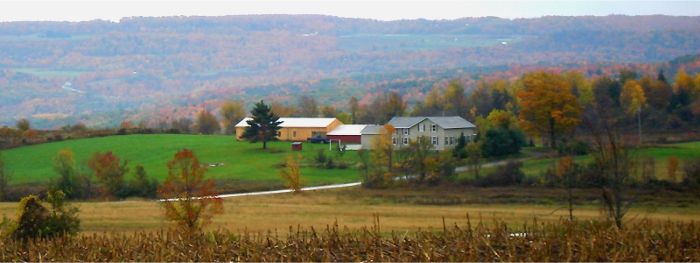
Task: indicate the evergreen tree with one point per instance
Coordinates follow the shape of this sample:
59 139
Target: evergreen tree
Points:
661 77
264 125
460 148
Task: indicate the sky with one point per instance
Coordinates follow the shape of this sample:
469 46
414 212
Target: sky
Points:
58 10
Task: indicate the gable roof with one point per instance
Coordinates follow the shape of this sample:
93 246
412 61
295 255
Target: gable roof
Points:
405 122
371 129
451 122
348 129
296 122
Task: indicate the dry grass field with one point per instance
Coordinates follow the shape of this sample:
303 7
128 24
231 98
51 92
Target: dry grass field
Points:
354 208
400 225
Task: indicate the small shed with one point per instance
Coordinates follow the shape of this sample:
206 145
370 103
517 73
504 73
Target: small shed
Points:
296 146
347 133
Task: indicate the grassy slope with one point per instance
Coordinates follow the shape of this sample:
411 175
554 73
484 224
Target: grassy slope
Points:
242 160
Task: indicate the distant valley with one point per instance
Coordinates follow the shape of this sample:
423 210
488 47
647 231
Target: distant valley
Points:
100 73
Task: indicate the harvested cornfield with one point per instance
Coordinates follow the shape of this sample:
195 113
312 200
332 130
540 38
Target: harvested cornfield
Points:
493 241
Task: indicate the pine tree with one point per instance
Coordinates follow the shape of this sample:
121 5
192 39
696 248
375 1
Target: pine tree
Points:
264 125
661 76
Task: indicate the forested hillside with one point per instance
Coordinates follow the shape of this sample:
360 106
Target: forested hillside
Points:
100 72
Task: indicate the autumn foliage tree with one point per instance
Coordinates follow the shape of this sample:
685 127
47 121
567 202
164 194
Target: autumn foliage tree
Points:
455 99
632 98
548 106
308 107
382 162
292 174
69 180
30 135
23 125
207 123
567 171
231 114
190 200
110 172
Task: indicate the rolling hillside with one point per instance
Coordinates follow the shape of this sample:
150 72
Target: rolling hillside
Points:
240 160
54 72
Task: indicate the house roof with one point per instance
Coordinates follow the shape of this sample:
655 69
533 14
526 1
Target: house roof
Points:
371 129
405 122
451 122
348 129
296 122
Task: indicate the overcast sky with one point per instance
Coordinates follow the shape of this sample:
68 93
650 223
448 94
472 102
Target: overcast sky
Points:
56 10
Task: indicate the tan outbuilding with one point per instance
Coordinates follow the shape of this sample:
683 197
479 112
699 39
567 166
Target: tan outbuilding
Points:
297 129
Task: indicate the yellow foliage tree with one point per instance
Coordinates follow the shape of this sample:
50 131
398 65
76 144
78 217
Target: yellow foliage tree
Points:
382 158
292 174
686 84
547 106
231 114
126 125
503 119
580 86
455 99
632 97
383 146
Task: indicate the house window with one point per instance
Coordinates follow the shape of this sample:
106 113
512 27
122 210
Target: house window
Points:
434 139
452 140
279 134
405 131
405 141
469 138
393 140
447 140
294 134
421 127
433 127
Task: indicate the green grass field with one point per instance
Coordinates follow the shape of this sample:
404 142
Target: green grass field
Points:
242 160
685 152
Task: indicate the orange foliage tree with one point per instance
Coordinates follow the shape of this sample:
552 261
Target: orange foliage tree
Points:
548 106
110 173
30 135
189 199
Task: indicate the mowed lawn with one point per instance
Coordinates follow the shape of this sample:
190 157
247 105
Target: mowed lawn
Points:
241 160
